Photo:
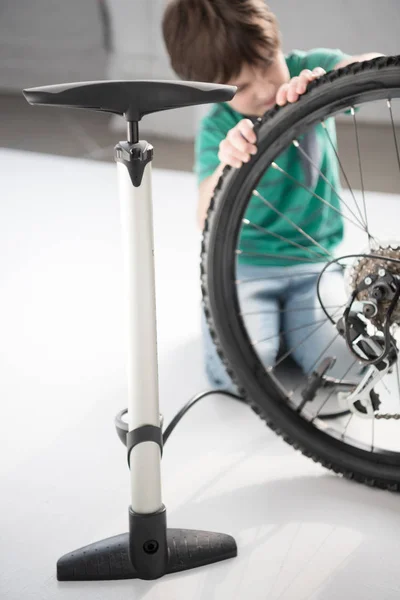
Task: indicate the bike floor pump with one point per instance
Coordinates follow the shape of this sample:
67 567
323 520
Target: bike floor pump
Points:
150 549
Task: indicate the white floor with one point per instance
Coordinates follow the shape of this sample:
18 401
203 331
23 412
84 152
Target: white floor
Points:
302 533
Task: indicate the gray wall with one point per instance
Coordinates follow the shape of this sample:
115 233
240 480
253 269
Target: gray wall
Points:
350 25
355 26
48 41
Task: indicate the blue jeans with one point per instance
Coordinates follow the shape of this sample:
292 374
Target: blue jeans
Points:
283 300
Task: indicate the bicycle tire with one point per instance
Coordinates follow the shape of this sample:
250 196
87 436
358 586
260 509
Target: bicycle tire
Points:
332 93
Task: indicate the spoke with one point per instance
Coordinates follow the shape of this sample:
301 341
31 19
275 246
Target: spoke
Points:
398 379
303 274
283 310
318 359
281 237
270 205
291 209
298 345
342 169
297 145
353 112
276 166
295 209
335 337
288 331
386 387
251 279
347 425
276 256
311 218
394 132
333 390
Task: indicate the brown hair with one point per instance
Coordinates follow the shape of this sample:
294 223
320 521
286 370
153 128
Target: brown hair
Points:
211 40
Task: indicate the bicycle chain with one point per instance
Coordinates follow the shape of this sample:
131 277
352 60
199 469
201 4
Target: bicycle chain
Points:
387 416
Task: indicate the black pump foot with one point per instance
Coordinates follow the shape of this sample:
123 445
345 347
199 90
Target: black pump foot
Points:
109 559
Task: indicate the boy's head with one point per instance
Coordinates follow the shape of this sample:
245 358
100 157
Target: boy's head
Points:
228 41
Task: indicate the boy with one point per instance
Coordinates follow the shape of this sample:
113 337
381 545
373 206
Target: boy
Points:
238 42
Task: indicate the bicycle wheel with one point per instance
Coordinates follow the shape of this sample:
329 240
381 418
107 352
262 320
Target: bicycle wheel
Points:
363 442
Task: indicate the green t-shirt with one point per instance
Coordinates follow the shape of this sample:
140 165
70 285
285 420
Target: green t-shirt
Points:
317 219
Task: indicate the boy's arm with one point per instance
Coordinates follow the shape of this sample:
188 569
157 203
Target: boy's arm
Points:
353 59
233 150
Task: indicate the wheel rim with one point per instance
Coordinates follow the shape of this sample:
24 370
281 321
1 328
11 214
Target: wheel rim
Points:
341 429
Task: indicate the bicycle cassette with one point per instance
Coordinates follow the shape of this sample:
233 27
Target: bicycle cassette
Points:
376 278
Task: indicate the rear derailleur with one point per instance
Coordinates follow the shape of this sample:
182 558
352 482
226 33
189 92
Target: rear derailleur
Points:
359 396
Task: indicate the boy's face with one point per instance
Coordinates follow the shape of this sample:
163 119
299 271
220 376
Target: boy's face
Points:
257 87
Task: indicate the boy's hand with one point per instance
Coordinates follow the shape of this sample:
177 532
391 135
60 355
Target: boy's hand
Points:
290 92
238 145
